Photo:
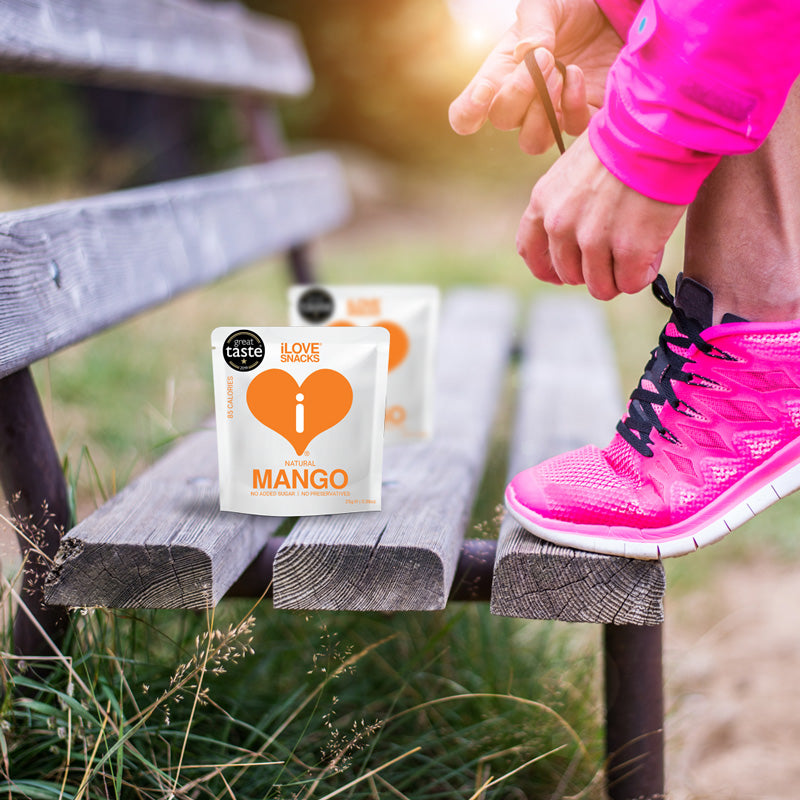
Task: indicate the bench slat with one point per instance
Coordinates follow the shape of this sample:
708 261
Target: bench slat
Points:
404 557
162 542
568 398
74 268
162 44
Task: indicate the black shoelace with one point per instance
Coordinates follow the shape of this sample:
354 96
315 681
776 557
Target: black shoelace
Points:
665 367
544 95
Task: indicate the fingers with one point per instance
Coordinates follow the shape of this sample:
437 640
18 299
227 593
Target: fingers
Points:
635 269
565 256
536 27
536 133
574 103
518 105
583 225
597 265
514 99
502 89
558 258
533 246
511 101
470 109
560 261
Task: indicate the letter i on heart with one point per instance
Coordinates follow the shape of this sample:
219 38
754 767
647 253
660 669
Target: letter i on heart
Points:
299 413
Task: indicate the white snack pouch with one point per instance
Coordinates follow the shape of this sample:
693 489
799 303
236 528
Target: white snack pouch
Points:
410 314
300 418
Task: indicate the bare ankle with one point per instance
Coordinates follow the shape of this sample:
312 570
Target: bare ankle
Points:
758 301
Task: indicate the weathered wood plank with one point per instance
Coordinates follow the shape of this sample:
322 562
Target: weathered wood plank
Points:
404 557
162 542
167 45
74 268
568 397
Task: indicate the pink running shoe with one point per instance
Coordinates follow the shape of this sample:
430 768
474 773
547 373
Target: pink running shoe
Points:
711 437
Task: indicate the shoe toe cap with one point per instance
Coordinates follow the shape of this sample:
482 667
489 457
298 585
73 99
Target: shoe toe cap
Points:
526 491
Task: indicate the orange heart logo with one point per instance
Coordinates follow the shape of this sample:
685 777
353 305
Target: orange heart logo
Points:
299 413
398 340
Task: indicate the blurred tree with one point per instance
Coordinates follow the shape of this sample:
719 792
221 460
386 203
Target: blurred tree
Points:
42 130
385 73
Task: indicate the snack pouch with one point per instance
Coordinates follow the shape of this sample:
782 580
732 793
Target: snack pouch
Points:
410 314
300 418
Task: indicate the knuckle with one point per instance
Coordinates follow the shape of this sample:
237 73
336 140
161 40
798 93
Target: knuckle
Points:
520 86
502 117
589 243
555 225
629 252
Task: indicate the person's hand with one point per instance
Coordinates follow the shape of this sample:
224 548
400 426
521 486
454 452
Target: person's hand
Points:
574 31
583 225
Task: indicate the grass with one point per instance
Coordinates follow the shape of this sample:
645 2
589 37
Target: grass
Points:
251 702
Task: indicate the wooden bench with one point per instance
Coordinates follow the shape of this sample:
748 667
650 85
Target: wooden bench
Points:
70 270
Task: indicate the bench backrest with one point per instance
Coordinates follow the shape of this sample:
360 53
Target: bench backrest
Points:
71 269
175 45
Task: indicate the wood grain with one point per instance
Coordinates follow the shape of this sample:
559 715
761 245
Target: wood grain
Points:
162 542
166 45
404 557
568 398
74 268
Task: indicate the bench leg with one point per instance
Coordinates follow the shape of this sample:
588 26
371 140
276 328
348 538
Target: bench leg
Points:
33 481
634 712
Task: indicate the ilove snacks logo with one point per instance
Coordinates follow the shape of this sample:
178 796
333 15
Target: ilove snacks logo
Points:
398 339
299 413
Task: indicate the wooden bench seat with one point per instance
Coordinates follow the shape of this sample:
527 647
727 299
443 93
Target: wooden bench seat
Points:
163 543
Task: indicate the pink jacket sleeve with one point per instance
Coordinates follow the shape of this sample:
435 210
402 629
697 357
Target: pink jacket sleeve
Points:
620 14
697 79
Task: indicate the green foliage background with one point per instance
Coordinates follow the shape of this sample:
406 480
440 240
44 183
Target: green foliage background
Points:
385 74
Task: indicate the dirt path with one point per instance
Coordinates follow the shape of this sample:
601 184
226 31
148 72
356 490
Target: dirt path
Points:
732 664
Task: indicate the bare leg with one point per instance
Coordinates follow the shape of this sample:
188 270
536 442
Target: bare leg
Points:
743 229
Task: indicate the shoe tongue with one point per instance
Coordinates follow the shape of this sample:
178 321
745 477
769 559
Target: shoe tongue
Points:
695 300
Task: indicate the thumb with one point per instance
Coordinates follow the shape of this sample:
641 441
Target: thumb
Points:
536 27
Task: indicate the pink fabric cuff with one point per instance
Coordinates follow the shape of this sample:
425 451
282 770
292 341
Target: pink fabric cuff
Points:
620 14
648 163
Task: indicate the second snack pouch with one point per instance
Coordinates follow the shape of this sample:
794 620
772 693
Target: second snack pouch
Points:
410 314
